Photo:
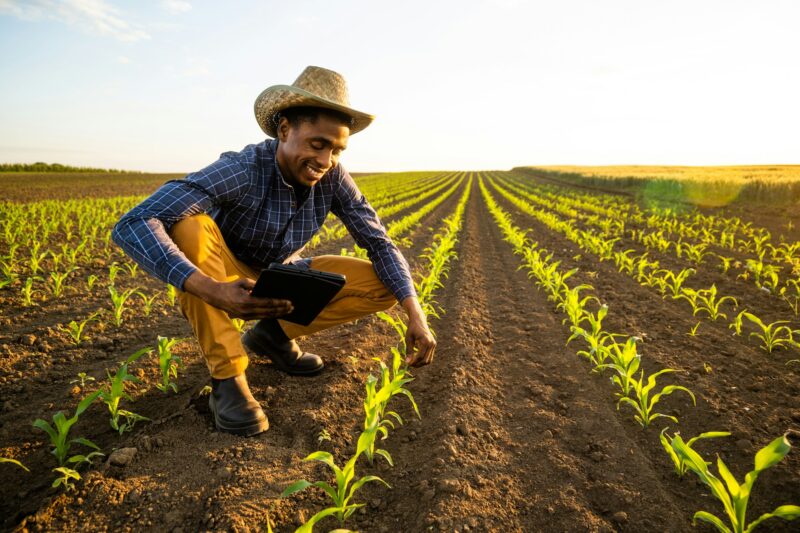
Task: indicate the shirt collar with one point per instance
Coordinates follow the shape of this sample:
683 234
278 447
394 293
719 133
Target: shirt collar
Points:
273 143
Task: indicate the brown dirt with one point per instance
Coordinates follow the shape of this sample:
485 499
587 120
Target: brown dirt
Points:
515 434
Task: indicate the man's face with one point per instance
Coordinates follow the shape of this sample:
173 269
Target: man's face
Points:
309 150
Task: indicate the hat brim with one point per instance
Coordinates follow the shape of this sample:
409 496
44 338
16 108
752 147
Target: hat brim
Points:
279 97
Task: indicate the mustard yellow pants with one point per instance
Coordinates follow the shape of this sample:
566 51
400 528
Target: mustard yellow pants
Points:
200 239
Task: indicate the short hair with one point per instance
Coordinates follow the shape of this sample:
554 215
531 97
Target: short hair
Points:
296 115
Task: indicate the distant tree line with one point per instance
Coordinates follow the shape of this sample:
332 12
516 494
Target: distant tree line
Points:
54 167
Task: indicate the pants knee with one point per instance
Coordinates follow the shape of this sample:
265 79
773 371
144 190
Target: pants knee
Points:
387 300
192 233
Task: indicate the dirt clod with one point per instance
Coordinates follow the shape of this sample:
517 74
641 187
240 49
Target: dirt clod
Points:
122 457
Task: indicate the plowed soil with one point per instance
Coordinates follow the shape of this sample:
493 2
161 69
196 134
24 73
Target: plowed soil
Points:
515 435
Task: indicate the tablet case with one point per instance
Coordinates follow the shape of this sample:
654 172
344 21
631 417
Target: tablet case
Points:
308 290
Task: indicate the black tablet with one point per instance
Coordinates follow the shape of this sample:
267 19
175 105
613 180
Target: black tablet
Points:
308 290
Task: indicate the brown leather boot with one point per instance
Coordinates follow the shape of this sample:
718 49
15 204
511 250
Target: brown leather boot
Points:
234 408
267 339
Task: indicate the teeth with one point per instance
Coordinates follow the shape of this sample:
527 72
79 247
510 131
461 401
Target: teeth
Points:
314 171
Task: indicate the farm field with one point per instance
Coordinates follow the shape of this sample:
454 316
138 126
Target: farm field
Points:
737 186
550 303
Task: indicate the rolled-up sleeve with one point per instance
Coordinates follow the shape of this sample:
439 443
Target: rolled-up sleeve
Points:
363 223
143 231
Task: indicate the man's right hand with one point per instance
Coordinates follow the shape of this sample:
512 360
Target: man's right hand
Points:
234 297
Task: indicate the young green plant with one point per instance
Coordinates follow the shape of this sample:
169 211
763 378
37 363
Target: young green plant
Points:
644 404
678 463
340 495
113 391
734 496
168 364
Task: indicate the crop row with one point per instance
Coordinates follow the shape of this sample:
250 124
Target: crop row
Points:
334 231
703 301
696 238
379 417
111 392
619 354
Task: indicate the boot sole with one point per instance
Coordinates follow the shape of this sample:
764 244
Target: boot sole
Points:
244 429
248 341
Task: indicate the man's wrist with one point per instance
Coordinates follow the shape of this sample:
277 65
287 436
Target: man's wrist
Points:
200 285
413 309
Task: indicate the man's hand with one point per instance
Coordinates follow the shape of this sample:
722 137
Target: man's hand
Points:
234 297
420 343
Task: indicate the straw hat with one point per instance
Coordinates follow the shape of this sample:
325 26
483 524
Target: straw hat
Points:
315 86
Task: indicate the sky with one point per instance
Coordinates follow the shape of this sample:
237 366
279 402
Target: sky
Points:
168 85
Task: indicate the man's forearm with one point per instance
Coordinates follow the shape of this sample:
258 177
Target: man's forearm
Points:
413 309
148 244
200 285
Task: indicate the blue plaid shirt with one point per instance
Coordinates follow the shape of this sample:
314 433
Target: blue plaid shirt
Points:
259 216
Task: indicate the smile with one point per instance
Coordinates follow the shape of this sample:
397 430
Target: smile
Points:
314 172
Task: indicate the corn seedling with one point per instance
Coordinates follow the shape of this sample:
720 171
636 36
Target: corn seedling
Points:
706 302
68 475
35 263
172 294
392 382
76 330
9 272
83 378
373 422
690 295
674 282
27 290
695 252
725 263
595 337
574 306
14 462
132 268
693 330
113 391
644 404
764 275
771 335
734 496
57 281
323 436
168 364
399 327
625 362
791 298
113 270
118 300
678 463
91 280
736 325
340 495
59 431
147 302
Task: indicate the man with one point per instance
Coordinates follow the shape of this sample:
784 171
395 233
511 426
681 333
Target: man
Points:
210 233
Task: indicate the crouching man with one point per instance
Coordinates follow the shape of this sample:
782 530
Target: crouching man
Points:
211 233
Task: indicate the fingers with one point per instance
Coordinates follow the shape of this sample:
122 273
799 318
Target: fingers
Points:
268 307
245 283
420 350
425 354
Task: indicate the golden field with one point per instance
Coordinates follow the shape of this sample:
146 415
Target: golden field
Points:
743 173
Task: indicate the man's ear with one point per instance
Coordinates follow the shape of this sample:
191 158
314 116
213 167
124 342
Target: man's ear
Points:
283 129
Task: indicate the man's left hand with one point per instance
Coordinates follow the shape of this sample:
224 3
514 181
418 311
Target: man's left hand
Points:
420 344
